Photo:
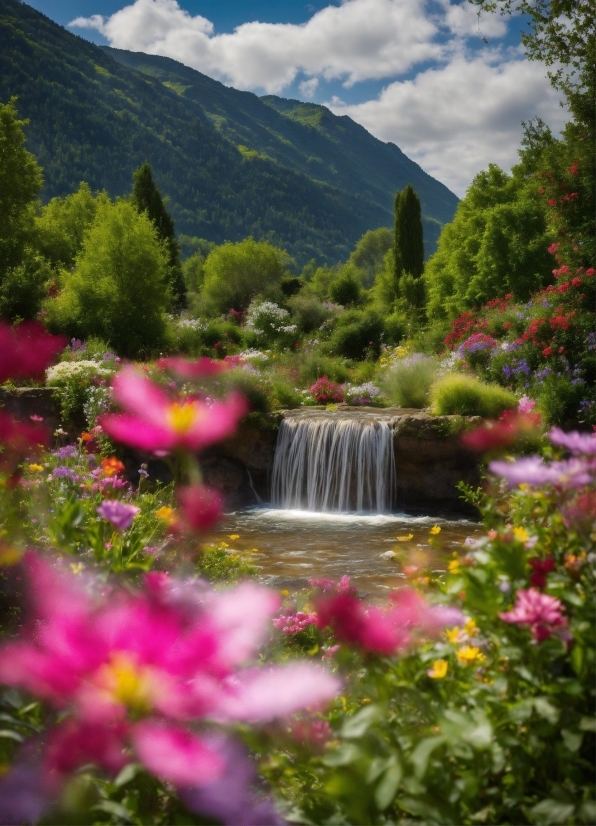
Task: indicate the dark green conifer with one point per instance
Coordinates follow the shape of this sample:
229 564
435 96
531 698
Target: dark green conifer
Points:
147 198
408 242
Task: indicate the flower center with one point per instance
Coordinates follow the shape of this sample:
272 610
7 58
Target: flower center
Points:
181 417
128 683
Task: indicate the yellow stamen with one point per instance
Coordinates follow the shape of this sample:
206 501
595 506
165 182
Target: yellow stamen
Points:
182 417
128 683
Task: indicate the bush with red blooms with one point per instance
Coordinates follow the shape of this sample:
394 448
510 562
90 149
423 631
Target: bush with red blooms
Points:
325 391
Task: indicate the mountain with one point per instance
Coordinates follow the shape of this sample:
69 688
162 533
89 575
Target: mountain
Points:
232 164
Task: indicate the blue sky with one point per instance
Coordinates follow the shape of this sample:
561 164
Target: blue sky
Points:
448 88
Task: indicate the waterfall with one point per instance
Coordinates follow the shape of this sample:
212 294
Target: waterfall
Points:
329 464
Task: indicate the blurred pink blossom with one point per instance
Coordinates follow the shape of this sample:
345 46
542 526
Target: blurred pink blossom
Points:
153 421
541 612
118 513
577 443
532 470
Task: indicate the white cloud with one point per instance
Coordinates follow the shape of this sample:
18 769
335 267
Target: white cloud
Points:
308 87
359 40
456 119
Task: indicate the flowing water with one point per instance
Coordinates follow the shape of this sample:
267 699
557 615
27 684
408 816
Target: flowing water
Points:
294 546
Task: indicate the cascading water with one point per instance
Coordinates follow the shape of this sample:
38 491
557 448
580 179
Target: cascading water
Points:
334 464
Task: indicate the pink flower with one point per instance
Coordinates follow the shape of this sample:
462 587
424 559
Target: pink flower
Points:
493 436
201 368
525 405
201 506
118 513
531 470
294 623
27 350
175 754
19 439
578 443
541 612
154 422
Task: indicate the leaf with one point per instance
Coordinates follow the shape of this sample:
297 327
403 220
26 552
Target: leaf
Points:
113 808
552 812
7 734
572 739
342 756
128 773
544 708
387 788
587 724
421 754
358 724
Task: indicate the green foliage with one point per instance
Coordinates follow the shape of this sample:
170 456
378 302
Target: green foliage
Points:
284 395
23 287
63 223
118 290
308 312
20 183
314 366
496 244
217 563
357 335
368 256
147 199
235 273
395 327
464 395
345 289
408 245
408 381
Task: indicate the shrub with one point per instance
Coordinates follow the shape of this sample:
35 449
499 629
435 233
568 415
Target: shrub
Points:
324 391
284 395
360 394
316 365
308 312
395 328
345 290
269 322
408 381
251 386
73 380
357 335
466 396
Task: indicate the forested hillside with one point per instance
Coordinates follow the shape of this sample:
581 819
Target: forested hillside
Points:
94 119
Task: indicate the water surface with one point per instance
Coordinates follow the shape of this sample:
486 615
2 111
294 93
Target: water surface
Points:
294 546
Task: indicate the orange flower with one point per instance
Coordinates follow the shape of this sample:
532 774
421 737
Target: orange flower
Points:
111 466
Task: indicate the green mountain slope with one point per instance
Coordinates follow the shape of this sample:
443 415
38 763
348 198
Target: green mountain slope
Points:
95 119
308 138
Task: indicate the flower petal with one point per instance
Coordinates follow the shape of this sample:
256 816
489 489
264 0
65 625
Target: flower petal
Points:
176 755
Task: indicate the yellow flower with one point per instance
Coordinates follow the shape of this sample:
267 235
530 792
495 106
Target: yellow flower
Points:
167 514
35 468
471 628
439 669
453 566
435 530
405 538
76 567
254 550
285 593
234 536
521 534
223 545
524 486
469 654
453 634
9 555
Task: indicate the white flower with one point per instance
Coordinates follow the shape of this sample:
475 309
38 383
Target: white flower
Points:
65 371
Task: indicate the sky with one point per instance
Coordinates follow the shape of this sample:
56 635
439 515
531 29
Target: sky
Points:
449 87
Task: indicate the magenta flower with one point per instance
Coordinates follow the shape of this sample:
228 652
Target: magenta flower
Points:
541 612
201 506
26 350
577 443
532 470
133 671
153 421
118 513
201 368
18 440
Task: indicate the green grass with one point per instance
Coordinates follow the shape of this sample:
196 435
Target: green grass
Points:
466 396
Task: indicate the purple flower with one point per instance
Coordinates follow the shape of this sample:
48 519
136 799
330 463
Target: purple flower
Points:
577 443
64 473
66 452
118 513
531 470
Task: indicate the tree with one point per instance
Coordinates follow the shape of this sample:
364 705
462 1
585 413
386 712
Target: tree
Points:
147 198
369 253
408 247
63 223
20 183
235 273
119 288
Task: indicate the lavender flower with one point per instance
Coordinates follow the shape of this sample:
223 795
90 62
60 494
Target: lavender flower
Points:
66 452
531 470
578 443
64 473
118 513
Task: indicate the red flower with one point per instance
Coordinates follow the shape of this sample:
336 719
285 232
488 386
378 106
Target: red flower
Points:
27 350
541 567
547 351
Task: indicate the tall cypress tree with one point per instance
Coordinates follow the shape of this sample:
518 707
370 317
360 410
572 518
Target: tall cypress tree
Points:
147 198
408 245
